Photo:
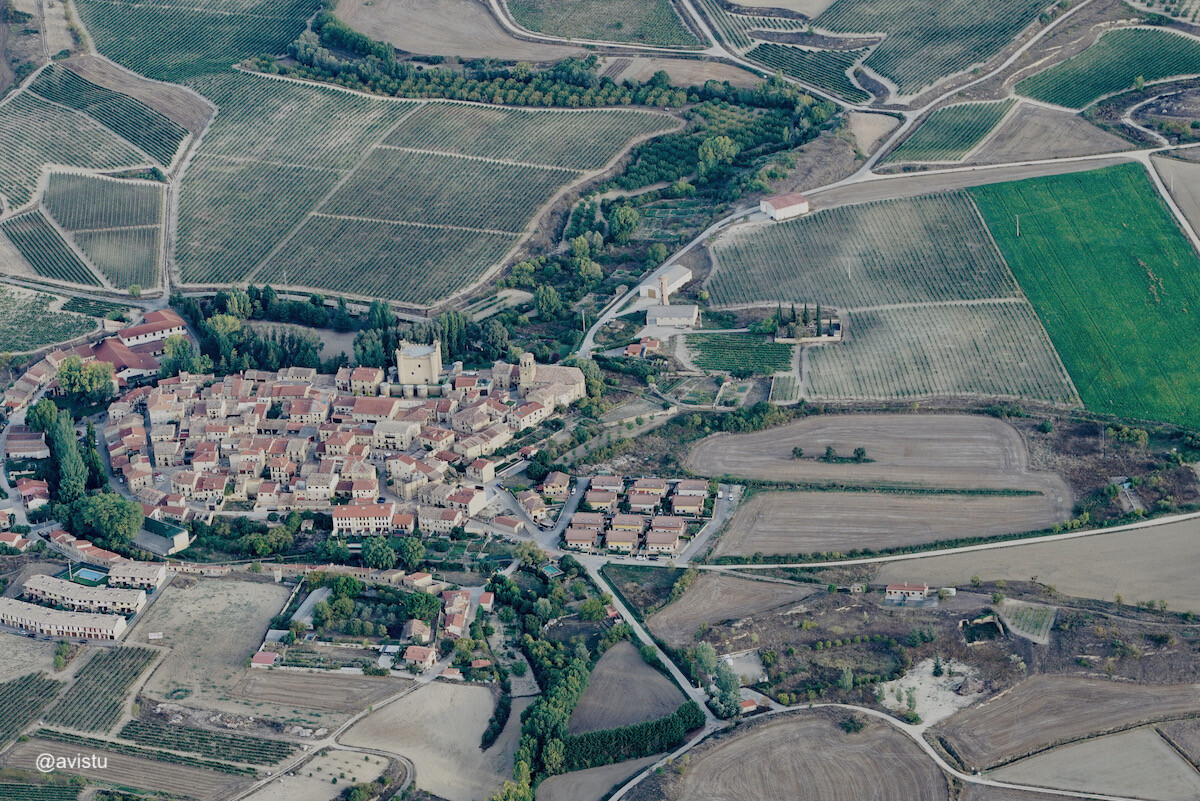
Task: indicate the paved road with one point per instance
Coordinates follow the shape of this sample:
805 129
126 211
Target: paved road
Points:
727 500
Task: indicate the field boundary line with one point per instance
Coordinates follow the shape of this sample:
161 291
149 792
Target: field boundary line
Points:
214 11
488 159
113 228
70 242
325 198
995 129
415 224
240 160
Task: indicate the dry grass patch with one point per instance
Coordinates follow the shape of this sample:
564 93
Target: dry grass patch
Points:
623 690
23 655
592 784
716 598
311 781
683 71
1045 710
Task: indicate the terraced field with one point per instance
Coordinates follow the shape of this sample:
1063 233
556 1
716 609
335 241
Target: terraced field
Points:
136 122
95 700
34 133
1113 64
654 23
951 132
920 250
1115 291
27 323
824 69
989 349
33 235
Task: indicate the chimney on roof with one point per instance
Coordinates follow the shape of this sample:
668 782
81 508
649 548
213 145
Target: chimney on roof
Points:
662 289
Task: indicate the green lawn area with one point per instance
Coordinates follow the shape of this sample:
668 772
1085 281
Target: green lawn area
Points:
1115 281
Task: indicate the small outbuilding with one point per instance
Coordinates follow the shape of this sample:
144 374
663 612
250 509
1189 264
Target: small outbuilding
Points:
784 207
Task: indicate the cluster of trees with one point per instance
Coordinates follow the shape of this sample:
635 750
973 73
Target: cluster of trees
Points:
606 746
86 384
460 337
241 535
83 501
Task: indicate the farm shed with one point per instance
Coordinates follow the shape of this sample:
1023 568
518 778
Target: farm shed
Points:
673 316
784 207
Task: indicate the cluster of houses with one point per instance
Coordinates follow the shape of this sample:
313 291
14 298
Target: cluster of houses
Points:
133 353
57 607
649 515
297 440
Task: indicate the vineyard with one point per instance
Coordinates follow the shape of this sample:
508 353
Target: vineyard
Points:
126 256
49 256
1115 290
410 263
734 29
927 41
84 202
37 792
95 700
231 747
931 351
174 44
785 389
824 69
101 746
918 250
951 132
20 702
34 133
1030 620
739 352
1114 64
131 119
26 322
578 140
445 190
92 307
650 22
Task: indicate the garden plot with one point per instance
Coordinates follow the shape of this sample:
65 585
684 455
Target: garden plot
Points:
1138 764
27 321
1031 621
839 522
323 778
807 755
918 250
1150 564
623 690
651 23
1045 710
951 132
934 697
716 598
996 348
438 726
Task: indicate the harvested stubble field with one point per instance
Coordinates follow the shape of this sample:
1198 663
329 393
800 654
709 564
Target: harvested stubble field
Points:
623 690
34 133
212 627
27 323
149 775
591 784
1113 290
950 133
438 726
985 348
715 598
1036 132
918 250
1045 710
945 450
683 71
804 756
816 522
1112 65
653 23
1183 181
1145 564
96 698
1138 764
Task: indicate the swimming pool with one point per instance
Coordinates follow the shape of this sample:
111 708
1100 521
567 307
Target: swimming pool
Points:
88 574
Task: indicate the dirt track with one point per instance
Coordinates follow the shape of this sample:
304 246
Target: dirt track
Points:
444 27
170 101
814 522
715 598
1045 710
623 690
1034 132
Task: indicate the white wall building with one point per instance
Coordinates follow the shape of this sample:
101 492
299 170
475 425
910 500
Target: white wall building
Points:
784 207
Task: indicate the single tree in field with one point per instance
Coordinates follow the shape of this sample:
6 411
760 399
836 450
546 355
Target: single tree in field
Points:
797 453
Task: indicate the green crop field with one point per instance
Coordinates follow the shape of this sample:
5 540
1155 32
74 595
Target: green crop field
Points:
94 702
34 132
401 261
734 29
27 323
174 43
1115 281
38 792
730 352
918 250
49 256
1113 64
84 202
131 119
651 22
996 348
445 190
926 41
824 69
20 702
230 747
951 132
578 140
